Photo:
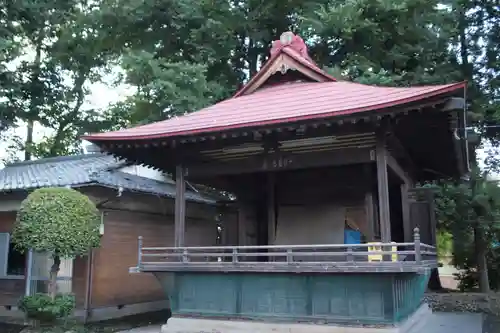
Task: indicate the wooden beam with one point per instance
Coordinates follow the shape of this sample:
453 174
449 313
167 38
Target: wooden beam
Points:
180 206
397 169
398 148
280 161
383 191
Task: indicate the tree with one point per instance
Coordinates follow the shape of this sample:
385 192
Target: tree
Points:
399 43
185 54
470 210
9 49
59 221
164 89
60 50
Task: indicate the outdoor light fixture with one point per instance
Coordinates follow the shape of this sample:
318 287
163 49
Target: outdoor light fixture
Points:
101 226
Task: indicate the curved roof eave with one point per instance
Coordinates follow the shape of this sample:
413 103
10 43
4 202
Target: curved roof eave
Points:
141 133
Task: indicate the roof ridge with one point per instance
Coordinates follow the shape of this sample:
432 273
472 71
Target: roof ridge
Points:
56 159
293 47
95 178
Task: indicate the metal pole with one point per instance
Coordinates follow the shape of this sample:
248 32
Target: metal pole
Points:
29 273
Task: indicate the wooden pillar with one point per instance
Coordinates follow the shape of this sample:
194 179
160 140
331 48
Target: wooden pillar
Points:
180 206
407 230
370 215
369 203
383 191
271 207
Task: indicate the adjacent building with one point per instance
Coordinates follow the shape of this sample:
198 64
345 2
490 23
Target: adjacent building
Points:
134 201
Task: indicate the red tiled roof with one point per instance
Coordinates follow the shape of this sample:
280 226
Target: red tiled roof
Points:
282 104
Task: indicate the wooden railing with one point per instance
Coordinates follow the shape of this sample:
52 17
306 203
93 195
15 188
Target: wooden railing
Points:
277 256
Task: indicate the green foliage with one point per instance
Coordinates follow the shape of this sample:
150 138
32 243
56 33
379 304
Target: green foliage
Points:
164 89
45 310
59 221
444 243
468 277
54 49
385 42
463 209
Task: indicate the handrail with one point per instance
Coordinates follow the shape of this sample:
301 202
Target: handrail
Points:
271 247
413 252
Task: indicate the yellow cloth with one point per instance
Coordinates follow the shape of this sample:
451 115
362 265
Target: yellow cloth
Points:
377 247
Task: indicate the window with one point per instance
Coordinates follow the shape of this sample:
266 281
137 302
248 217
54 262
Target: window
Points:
16 261
12 262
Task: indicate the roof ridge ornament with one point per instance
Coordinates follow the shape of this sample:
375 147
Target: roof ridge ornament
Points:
294 42
286 38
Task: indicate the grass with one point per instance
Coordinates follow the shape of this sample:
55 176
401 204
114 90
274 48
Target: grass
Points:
107 326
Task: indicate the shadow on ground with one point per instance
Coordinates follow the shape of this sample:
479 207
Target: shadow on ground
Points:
127 323
10 328
107 326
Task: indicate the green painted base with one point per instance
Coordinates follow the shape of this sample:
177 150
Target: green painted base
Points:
385 298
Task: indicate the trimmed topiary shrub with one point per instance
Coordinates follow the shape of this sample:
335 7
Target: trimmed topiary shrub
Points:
63 223
44 309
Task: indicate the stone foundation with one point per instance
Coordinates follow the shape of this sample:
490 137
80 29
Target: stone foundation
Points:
413 324
382 299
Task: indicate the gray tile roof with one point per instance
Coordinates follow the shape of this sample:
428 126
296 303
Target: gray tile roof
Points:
83 170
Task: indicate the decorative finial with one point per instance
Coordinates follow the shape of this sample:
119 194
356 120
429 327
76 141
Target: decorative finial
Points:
291 40
416 233
286 38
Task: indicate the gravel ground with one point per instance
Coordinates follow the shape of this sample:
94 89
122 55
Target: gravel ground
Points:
464 302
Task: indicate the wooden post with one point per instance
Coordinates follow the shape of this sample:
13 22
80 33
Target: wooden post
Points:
235 255
180 206
416 240
383 192
370 216
369 203
139 252
383 196
271 209
406 213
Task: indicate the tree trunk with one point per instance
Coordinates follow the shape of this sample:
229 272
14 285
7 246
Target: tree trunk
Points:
434 280
35 100
252 58
54 270
29 140
482 267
